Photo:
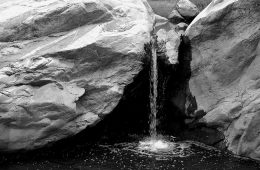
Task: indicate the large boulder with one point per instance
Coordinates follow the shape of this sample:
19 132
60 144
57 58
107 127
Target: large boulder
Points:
225 71
162 7
64 65
187 9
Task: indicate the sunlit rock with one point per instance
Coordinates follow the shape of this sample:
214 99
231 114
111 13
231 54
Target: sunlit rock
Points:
168 40
187 9
65 64
162 7
225 71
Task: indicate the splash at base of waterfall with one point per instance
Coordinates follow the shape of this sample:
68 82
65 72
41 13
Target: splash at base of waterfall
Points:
154 145
162 147
170 154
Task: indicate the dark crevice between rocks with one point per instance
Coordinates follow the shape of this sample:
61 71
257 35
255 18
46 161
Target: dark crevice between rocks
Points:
175 79
39 83
182 107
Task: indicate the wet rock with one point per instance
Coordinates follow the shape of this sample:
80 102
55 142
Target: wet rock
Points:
187 9
225 71
209 136
64 65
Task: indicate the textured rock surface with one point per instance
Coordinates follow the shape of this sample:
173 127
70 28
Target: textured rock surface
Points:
187 9
65 64
225 71
162 7
175 17
201 4
168 40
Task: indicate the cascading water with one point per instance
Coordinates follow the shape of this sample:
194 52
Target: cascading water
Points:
155 143
153 90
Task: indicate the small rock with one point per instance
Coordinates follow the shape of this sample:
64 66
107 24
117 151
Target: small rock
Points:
181 27
187 9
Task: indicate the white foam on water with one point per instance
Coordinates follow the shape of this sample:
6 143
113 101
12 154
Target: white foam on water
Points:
153 145
160 148
163 148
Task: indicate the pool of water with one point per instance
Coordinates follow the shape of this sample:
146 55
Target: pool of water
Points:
148 154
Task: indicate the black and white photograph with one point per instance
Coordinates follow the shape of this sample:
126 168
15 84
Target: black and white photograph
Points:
129 84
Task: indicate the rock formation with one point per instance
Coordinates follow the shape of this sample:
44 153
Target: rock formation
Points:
168 40
225 71
187 9
162 7
65 64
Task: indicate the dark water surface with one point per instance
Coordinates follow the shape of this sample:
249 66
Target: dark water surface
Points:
180 155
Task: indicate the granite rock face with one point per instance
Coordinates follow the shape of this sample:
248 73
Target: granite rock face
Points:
168 40
64 65
225 71
187 9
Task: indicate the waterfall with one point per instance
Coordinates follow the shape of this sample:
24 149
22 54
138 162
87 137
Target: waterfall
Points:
155 143
153 89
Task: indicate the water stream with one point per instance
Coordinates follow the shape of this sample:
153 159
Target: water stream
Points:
155 143
153 90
